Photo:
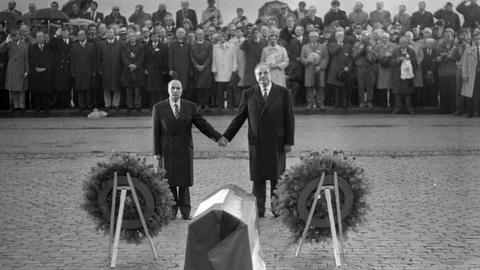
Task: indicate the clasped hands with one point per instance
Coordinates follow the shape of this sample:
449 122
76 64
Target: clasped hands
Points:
222 142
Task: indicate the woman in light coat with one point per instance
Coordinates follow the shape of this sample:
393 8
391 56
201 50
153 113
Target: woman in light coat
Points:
276 58
17 69
384 49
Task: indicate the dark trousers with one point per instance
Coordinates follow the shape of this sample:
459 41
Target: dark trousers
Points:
155 96
428 95
98 97
380 97
84 99
181 195
220 94
398 101
448 85
202 97
341 96
61 99
259 190
134 98
41 100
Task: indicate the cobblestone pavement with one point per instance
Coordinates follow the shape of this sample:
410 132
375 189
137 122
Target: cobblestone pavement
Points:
424 198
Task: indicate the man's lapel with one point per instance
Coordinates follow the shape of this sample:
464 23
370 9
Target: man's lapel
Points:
274 93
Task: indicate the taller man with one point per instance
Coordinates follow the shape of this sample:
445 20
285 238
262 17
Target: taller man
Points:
269 110
172 141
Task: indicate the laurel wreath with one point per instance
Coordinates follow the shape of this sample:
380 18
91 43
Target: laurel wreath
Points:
310 167
140 170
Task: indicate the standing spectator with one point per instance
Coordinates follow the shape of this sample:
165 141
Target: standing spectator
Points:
402 18
11 5
402 78
179 61
115 17
170 25
295 69
340 54
358 16
335 14
109 67
276 58
380 15
40 75
32 10
186 13
282 17
429 93
54 5
253 48
76 12
365 58
202 61
94 15
133 76
301 12
83 69
139 16
471 76
471 13
384 49
422 18
237 40
447 71
314 57
62 83
224 64
449 18
356 35
159 15
4 95
460 46
288 32
312 19
240 17
156 69
418 49
211 13
16 69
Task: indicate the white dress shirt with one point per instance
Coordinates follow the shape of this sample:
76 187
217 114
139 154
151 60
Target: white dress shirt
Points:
268 88
172 105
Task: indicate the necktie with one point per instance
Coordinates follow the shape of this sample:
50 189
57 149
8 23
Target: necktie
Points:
265 95
177 110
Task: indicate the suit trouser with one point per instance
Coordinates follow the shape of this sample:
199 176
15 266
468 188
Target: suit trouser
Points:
220 94
155 96
111 98
341 96
84 99
18 99
315 96
259 190
398 101
459 99
181 195
41 100
447 92
62 98
134 98
365 80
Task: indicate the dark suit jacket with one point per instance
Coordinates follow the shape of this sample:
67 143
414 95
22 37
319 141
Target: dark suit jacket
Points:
156 63
63 52
422 20
172 138
294 48
317 22
40 81
429 63
191 15
271 126
98 17
84 65
286 34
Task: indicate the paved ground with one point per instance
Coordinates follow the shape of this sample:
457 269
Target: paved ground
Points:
424 199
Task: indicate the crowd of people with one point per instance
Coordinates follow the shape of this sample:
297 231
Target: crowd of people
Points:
360 59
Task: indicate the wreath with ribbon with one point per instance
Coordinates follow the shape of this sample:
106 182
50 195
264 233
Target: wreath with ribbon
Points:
296 189
152 189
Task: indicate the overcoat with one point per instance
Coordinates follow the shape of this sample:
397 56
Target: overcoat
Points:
172 138
179 62
276 55
383 50
469 68
61 70
400 86
110 64
17 65
312 76
271 126
133 54
202 55
40 81
83 65
340 57
253 53
156 63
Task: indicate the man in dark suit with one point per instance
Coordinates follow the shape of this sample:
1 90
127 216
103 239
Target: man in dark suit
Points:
156 68
422 17
94 15
269 110
295 69
179 63
115 17
110 68
312 19
61 45
40 74
427 95
83 68
173 146
133 76
186 13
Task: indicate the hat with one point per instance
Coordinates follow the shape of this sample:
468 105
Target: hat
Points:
122 31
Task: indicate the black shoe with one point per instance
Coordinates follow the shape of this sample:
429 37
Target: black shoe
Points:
261 215
139 110
129 110
185 217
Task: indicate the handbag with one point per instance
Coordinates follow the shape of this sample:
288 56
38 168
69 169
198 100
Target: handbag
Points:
406 70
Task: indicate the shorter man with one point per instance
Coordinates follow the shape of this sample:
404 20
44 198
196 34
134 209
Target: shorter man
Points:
173 119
